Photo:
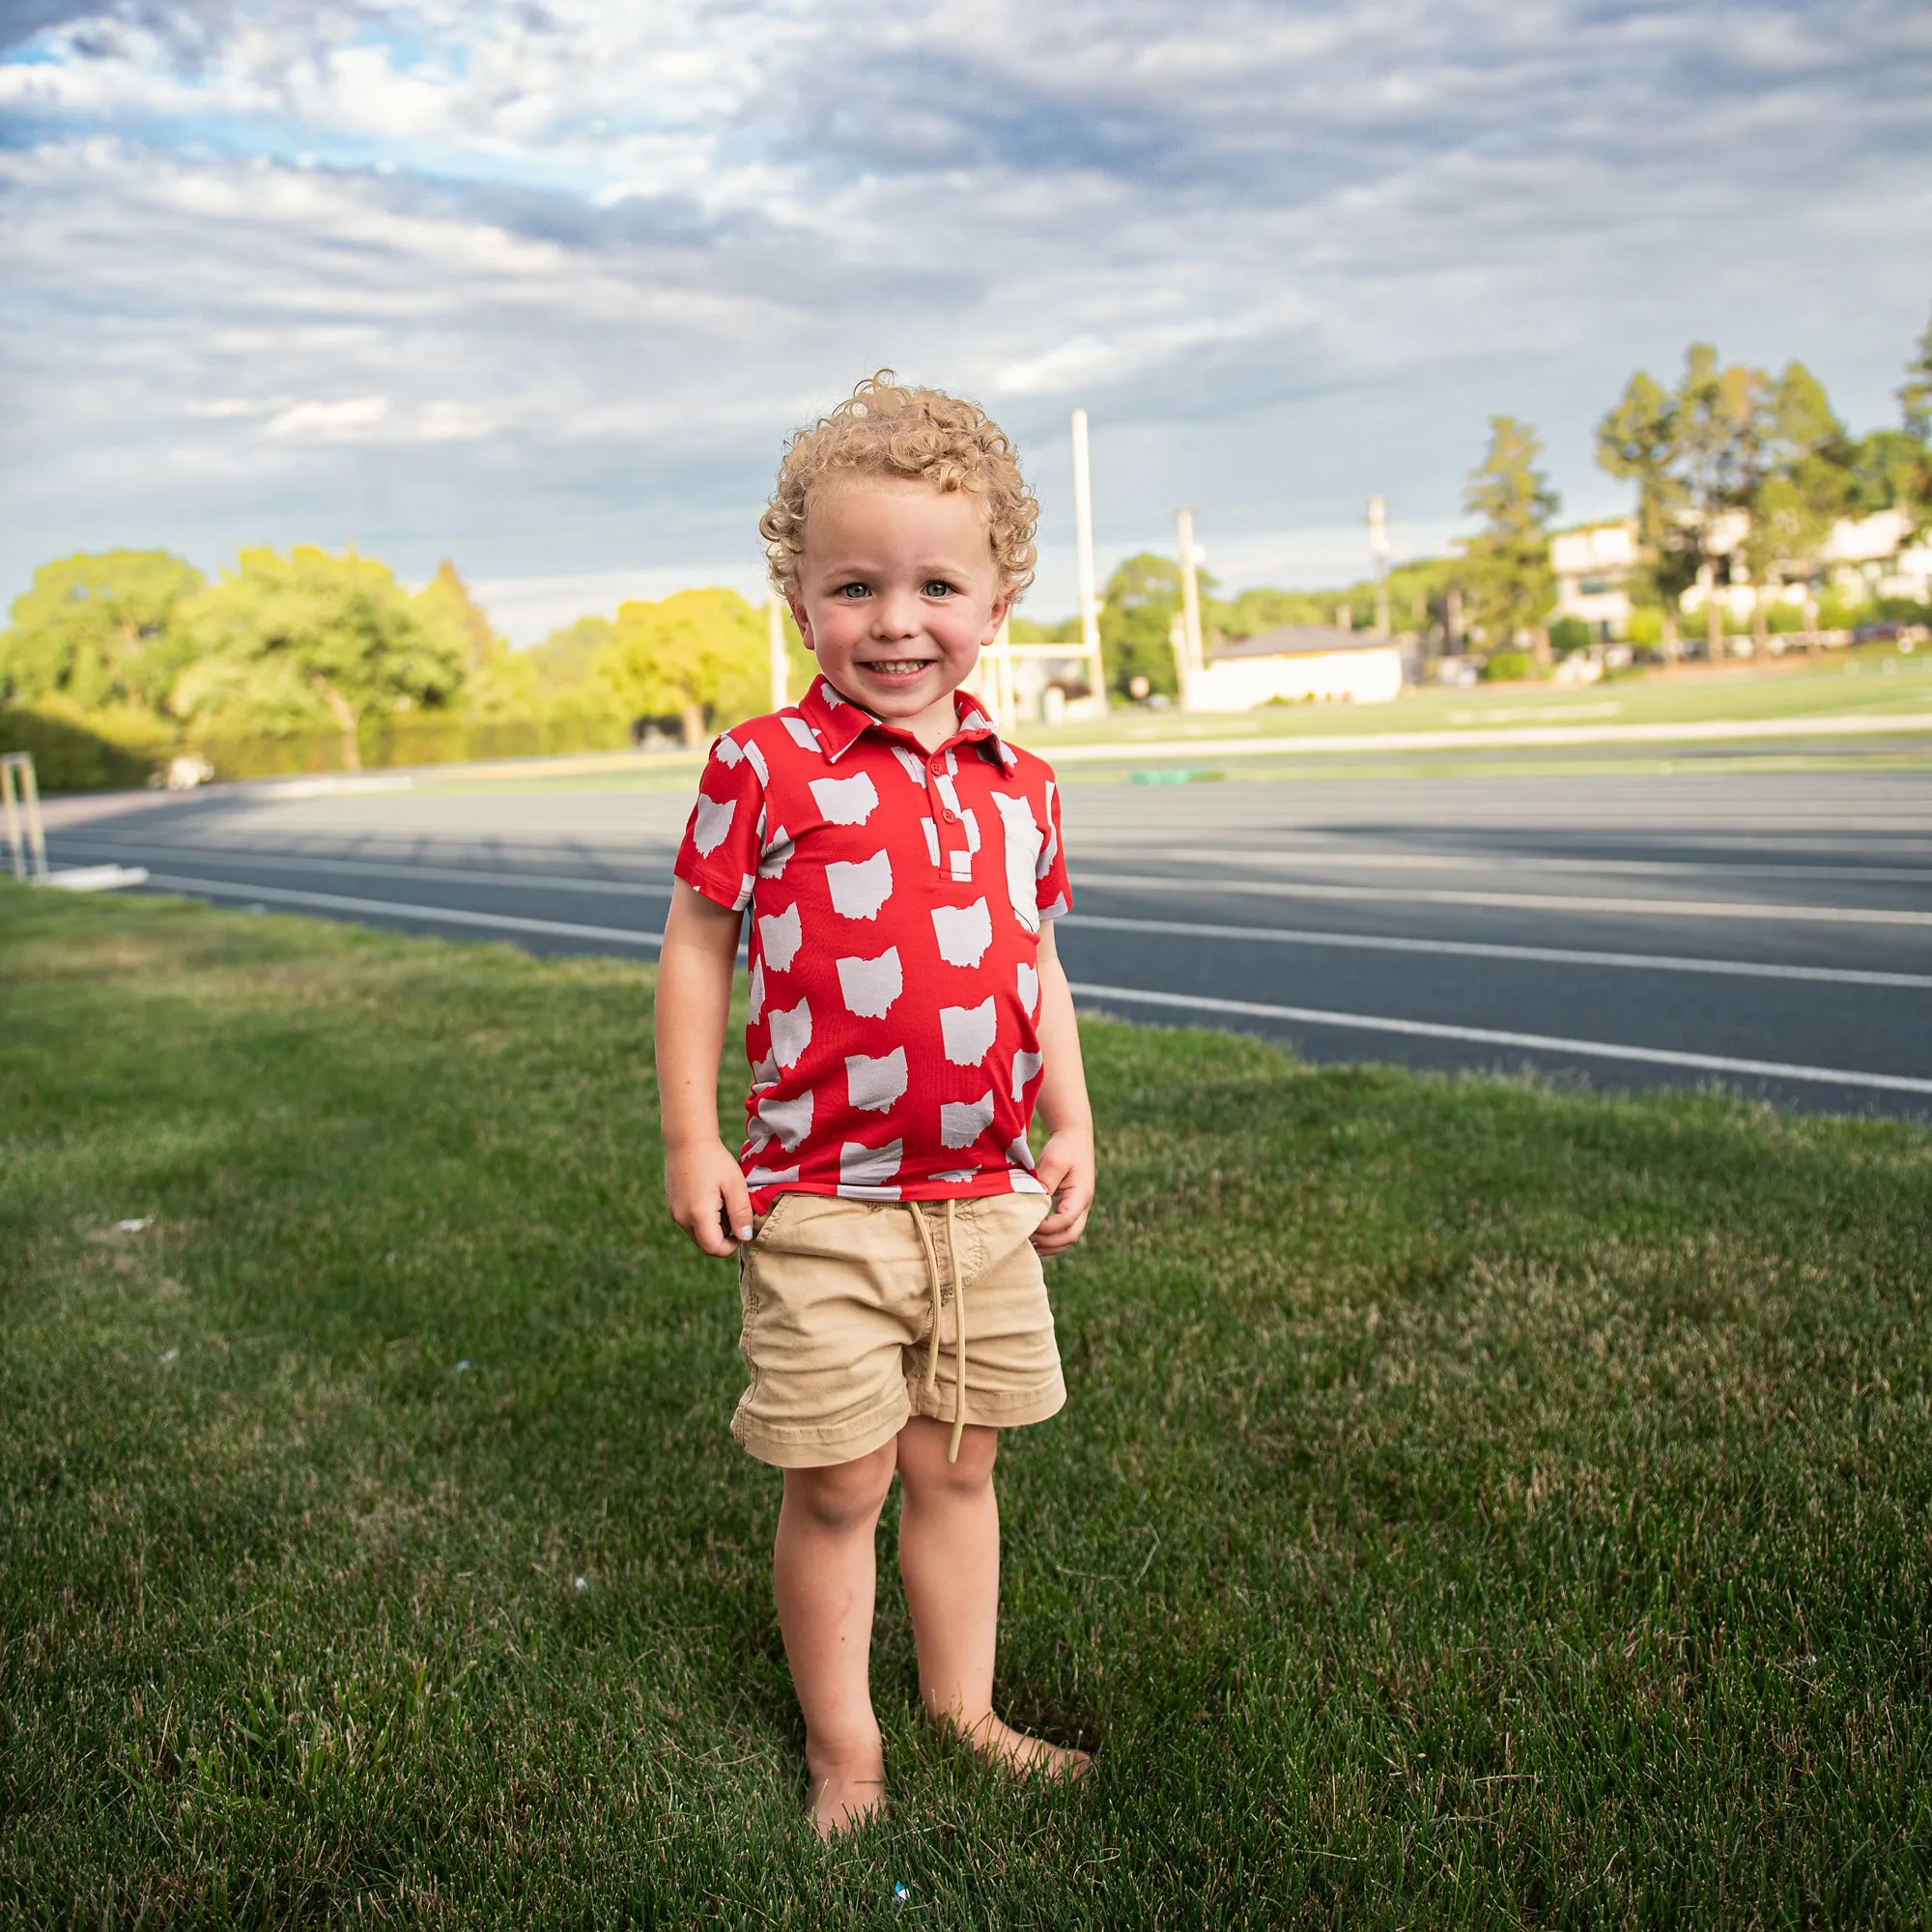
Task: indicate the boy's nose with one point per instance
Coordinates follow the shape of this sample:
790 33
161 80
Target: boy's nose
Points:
896 616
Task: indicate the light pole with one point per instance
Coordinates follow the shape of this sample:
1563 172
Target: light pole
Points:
1379 551
1083 525
1191 604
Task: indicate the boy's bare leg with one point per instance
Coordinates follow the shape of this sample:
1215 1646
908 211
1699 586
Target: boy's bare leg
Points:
950 1558
825 1571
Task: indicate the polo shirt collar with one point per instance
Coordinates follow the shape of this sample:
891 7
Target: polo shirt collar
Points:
840 723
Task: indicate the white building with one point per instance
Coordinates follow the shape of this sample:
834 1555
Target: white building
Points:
1875 554
1298 663
1593 567
1863 556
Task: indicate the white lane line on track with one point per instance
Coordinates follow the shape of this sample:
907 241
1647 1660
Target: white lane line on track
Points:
376 868
1530 901
494 921
1194 1002
1594 1049
1662 962
1264 887
1226 856
1420 861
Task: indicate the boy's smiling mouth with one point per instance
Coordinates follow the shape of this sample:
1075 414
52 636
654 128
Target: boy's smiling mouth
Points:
895 666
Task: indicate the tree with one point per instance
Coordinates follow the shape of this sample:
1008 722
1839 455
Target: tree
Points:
566 659
1029 631
1137 614
497 682
1636 441
1889 470
284 641
1506 572
699 656
446 608
1803 486
1721 418
99 630
1915 394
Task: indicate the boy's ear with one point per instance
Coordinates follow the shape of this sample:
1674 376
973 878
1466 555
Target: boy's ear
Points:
798 618
996 617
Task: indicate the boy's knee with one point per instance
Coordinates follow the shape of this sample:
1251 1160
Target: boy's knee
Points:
844 1495
922 1464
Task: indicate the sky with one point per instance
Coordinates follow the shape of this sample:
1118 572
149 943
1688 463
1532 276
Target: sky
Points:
542 285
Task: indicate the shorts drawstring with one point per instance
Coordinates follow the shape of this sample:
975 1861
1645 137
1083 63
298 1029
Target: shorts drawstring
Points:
958 1320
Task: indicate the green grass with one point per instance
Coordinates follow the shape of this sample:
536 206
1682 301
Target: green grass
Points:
1478 1504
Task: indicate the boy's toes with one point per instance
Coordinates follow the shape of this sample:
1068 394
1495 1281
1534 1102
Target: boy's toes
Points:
1025 1755
1036 1755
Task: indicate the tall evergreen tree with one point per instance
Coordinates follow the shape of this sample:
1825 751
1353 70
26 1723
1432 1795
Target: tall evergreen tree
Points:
1509 584
1636 441
1915 394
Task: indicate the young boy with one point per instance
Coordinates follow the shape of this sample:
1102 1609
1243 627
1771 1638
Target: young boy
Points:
903 867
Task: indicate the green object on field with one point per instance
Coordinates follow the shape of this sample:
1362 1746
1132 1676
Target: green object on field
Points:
1473 1501
1160 775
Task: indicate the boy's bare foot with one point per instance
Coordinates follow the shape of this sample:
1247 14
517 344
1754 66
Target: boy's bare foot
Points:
1025 1755
842 1801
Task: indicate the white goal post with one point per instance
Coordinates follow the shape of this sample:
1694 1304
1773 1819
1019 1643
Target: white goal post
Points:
27 837
20 801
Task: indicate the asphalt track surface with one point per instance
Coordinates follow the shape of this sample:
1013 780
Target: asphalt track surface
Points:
1770 933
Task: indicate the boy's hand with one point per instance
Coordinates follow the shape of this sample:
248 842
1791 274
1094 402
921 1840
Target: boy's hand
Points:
708 1197
1065 1171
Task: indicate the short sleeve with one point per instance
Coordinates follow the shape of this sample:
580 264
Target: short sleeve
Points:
718 856
1054 893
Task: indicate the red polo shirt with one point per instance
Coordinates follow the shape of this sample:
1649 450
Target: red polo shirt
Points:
896 896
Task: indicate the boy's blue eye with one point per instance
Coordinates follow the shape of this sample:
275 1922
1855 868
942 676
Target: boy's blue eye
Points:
852 590
937 588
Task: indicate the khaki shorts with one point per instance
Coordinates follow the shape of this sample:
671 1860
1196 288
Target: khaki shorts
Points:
839 1323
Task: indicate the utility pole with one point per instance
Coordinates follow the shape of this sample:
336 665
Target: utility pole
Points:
1083 523
1191 655
999 685
1379 551
775 641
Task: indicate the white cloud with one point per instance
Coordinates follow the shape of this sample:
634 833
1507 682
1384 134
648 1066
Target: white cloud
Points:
553 284
352 419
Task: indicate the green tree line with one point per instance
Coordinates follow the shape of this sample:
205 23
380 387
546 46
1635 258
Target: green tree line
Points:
115 664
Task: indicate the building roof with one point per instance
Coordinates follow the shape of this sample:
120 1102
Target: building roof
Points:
1300 641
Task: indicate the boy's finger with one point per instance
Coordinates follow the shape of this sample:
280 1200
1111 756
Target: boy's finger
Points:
707 1230
1051 1239
737 1205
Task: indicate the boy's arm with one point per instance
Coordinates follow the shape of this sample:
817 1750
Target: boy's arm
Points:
1066 1161
702 1180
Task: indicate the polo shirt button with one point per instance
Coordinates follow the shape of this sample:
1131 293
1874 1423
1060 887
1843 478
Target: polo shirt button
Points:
952 818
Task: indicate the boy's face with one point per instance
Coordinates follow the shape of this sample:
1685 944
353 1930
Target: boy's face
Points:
898 592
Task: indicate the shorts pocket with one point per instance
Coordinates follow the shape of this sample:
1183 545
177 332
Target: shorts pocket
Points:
763 1233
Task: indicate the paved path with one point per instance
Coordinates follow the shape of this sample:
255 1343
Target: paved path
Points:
1770 931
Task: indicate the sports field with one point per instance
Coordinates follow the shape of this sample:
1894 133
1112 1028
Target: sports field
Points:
1479 1503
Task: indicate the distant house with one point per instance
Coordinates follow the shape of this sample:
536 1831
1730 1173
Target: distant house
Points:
1593 567
1863 556
1295 663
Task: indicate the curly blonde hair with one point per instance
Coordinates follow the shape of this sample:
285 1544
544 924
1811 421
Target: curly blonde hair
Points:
883 429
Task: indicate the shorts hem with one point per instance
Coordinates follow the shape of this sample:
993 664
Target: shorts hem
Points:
1004 1408
821 1448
